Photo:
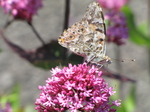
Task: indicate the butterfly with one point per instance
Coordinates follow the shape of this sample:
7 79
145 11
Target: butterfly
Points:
87 37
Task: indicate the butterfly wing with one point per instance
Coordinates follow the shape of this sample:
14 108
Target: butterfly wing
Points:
87 37
73 38
95 18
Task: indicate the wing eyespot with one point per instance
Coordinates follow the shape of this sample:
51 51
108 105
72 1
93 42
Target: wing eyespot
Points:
101 39
82 29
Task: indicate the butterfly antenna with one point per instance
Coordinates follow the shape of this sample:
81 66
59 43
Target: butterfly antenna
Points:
123 60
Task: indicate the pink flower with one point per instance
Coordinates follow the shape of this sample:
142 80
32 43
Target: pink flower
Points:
21 9
112 4
7 108
117 31
76 88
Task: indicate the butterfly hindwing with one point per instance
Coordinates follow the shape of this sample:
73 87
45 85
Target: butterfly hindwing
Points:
87 37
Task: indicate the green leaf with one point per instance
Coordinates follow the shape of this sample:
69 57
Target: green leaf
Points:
143 28
116 88
129 104
137 35
12 98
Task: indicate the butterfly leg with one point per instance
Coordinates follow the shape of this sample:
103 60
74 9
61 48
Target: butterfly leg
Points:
88 62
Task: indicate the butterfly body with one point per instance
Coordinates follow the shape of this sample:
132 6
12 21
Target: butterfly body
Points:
87 37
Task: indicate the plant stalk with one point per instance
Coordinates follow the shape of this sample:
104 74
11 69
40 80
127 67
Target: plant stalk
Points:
67 13
37 34
66 24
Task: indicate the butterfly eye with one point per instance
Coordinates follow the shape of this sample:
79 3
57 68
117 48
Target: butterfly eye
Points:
73 32
70 36
82 29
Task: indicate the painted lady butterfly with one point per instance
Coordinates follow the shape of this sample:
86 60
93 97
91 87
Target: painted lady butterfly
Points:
87 37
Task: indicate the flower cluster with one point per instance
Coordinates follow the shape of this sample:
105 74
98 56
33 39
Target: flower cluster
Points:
112 4
7 108
76 88
21 9
117 31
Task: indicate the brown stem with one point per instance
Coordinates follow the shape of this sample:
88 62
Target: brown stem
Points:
8 23
36 33
66 24
67 13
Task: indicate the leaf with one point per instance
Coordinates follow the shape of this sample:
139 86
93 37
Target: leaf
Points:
136 34
12 98
143 28
129 104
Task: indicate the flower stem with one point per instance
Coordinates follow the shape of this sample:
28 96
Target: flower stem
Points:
36 33
8 23
67 13
66 24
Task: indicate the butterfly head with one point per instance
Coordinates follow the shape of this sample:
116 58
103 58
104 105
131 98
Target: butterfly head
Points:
107 60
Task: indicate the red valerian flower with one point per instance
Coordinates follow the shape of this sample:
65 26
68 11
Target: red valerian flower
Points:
76 88
112 4
7 108
117 30
21 9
